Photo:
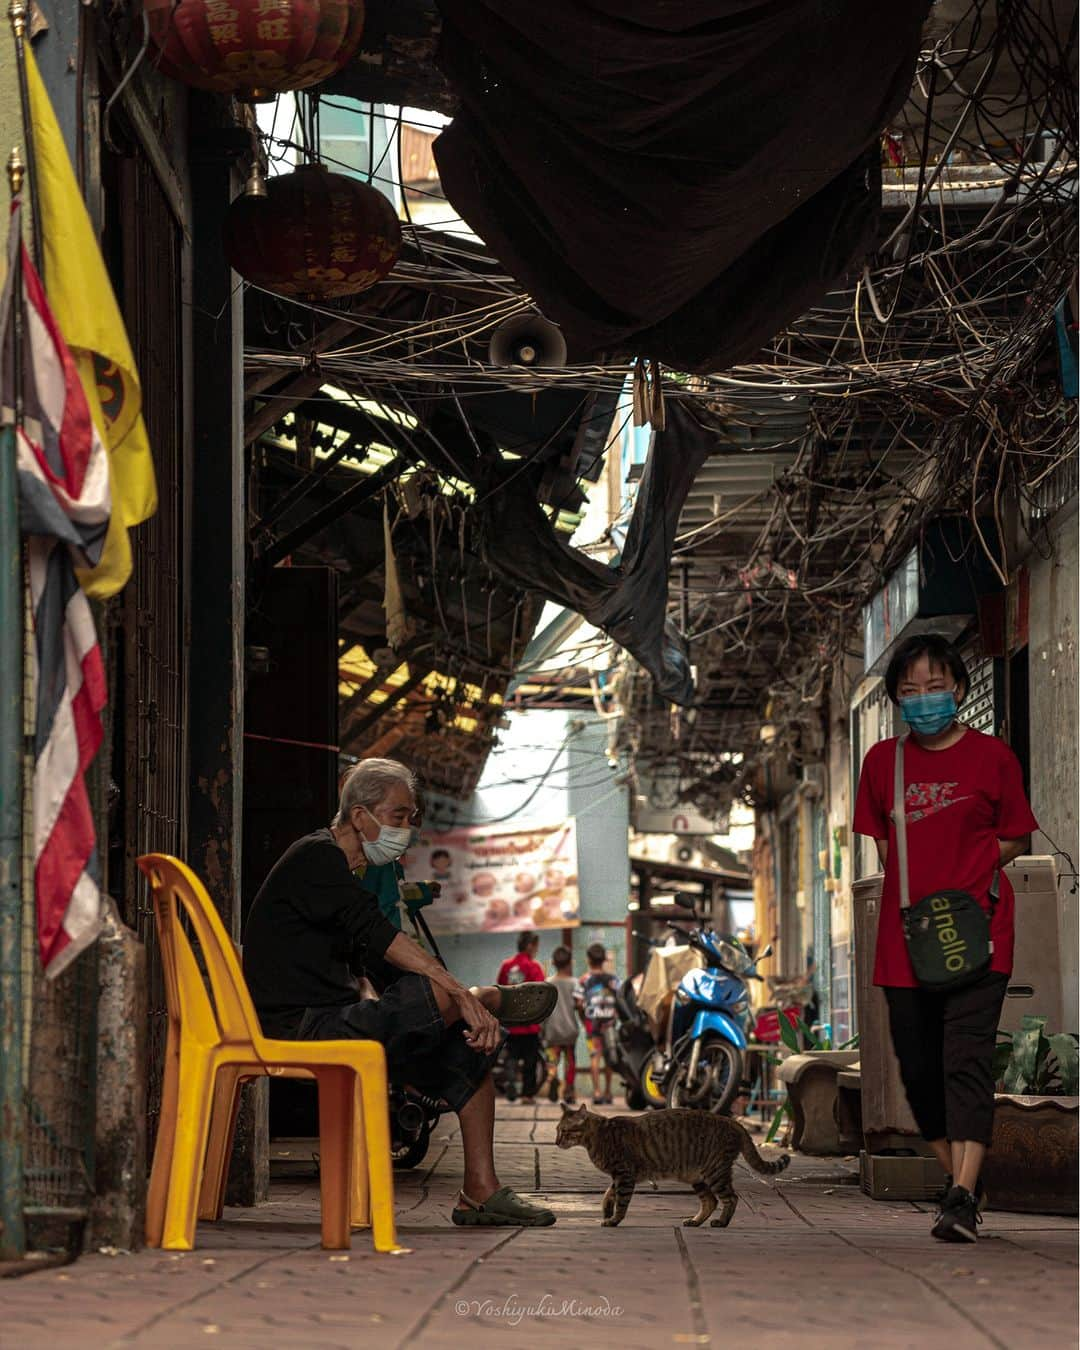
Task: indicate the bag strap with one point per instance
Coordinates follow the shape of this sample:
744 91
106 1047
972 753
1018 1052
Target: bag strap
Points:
421 927
900 820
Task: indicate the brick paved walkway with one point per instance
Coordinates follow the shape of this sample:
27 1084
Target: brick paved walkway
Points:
808 1263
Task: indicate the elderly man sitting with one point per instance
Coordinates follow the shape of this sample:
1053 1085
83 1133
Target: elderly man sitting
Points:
312 916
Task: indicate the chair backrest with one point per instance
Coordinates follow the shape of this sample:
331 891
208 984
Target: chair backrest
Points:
230 1017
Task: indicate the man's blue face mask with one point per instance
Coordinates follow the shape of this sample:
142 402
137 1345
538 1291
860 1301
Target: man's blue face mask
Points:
929 714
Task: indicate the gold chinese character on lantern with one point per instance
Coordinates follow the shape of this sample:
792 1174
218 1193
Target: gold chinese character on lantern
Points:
220 11
272 30
268 6
224 32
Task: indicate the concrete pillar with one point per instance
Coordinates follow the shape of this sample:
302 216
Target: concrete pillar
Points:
118 1208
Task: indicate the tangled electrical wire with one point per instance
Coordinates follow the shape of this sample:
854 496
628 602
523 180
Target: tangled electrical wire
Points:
931 386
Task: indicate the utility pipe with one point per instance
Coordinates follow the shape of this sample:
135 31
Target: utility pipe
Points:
12 1108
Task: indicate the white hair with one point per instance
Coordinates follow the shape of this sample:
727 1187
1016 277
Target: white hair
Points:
367 784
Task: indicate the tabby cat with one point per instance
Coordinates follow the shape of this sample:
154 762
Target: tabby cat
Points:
691 1146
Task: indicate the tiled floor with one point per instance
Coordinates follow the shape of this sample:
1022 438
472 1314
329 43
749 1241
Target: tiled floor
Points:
809 1262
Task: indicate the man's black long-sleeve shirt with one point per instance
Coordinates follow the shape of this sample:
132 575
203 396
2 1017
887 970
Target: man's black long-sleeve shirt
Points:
310 915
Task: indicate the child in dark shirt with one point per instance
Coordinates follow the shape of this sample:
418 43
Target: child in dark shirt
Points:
596 1005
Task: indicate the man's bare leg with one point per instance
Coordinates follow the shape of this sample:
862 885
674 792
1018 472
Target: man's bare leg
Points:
477 1116
477 1119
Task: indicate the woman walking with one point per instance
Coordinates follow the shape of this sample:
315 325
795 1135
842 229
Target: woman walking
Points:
945 931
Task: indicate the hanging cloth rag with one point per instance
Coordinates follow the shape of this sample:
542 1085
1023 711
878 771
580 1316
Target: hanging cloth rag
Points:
628 601
399 627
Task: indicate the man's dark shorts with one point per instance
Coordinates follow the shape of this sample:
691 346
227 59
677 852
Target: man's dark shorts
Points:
421 1050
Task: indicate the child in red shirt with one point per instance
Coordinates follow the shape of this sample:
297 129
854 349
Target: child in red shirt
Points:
524 1044
966 818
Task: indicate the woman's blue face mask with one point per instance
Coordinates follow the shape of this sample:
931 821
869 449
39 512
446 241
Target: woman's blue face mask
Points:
929 714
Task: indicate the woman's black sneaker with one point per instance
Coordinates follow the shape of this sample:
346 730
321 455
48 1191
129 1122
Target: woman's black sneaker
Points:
958 1218
939 1199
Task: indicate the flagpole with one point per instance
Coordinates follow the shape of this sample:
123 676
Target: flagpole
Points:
17 11
12 1097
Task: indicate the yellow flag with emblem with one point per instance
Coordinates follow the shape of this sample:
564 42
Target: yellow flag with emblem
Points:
85 308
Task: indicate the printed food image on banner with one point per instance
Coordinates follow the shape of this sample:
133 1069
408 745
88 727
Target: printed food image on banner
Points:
499 881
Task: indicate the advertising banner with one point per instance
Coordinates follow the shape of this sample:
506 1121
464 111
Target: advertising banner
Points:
499 881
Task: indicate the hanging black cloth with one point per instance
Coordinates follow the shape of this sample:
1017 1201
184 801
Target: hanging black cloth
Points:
629 602
677 180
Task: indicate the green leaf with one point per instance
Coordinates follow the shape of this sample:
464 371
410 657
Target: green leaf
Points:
851 1043
1043 1076
784 1109
789 1035
1002 1055
1029 1021
1022 1073
813 1042
1066 1055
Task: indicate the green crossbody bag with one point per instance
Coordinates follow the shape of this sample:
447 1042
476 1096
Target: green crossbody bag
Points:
947 932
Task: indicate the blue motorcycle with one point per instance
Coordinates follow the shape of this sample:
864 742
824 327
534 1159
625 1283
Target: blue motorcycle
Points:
709 1025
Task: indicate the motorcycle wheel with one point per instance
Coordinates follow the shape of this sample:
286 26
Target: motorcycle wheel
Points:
506 1078
635 1099
724 1062
413 1153
651 1090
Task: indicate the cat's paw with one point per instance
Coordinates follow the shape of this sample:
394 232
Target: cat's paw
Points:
609 1223
719 1223
691 1223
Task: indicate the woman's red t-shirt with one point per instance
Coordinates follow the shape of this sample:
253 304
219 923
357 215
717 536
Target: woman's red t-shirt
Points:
960 802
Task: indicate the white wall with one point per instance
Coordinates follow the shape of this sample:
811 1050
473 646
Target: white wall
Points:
550 765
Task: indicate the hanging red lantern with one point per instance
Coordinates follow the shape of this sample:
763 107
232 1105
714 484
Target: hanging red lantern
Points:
254 48
315 235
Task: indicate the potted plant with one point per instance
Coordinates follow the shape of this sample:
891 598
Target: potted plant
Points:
1032 1163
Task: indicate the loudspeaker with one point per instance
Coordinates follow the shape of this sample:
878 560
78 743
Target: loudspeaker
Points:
527 340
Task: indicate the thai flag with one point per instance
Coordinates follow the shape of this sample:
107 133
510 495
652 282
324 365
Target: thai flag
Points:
64 506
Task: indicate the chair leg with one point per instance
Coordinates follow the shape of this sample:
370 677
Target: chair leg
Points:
157 1194
360 1208
380 1169
336 1096
189 1153
219 1148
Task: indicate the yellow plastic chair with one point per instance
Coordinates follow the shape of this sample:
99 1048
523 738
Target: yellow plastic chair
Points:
213 1046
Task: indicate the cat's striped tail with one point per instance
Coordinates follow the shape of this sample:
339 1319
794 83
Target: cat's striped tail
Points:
757 1162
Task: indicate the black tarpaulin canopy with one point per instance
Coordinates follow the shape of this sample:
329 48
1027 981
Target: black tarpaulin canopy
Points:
679 179
629 601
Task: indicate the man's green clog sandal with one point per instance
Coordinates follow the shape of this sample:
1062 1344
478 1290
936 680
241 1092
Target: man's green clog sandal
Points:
504 1208
522 1004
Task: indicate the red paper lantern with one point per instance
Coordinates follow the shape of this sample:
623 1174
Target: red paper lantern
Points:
315 235
254 48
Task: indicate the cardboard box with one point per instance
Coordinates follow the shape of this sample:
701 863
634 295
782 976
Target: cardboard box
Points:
666 967
884 1177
